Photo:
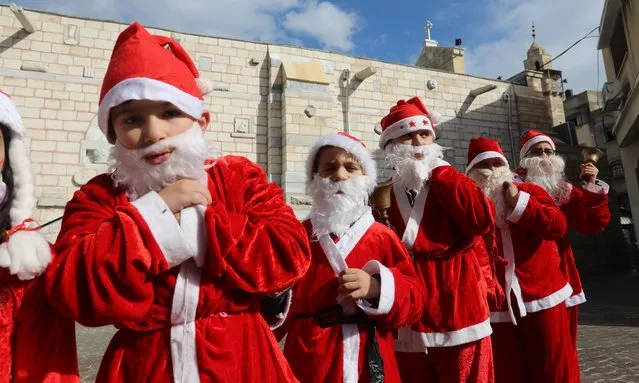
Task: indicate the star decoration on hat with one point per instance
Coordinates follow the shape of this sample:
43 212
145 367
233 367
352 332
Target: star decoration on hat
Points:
412 124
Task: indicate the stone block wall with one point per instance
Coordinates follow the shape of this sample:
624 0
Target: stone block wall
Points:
257 111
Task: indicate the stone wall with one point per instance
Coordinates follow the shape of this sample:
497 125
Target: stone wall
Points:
261 108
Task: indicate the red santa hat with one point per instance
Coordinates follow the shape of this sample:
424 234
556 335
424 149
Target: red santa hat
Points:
406 117
30 246
532 137
350 144
148 67
482 148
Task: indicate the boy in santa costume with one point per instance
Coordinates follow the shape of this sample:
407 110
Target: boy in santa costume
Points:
586 207
528 223
174 248
37 344
361 283
441 216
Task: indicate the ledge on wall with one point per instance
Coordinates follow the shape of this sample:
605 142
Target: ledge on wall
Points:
310 71
53 200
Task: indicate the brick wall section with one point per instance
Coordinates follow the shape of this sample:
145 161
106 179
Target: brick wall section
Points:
60 106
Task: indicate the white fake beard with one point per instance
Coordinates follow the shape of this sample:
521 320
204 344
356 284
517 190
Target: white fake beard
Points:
138 177
547 172
491 182
412 172
333 212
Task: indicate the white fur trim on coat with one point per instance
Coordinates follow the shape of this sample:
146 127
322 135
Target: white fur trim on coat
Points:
576 299
401 127
26 254
141 88
387 289
281 317
535 140
409 340
351 146
597 187
484 156
549 301
520 207
165 229
500 317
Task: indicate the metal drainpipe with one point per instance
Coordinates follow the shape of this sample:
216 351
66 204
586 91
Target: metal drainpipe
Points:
347 81
269 165
508 99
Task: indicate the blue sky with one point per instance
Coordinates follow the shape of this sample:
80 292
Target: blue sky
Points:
496 33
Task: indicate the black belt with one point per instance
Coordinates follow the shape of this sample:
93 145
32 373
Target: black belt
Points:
334 315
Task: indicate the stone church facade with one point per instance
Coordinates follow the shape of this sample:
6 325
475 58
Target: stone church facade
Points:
270 102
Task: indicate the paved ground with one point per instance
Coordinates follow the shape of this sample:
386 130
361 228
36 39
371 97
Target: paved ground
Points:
609 329
608 333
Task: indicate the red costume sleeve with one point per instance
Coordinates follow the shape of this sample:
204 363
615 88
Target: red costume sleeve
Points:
401 298
462 199
537 211
488 261
105 253
45 349
587 211
254 238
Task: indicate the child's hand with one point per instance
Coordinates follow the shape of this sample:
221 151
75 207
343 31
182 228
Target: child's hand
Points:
185 193
357 284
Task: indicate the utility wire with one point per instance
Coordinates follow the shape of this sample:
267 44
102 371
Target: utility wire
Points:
570 47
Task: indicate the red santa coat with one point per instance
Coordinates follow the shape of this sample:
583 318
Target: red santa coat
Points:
37 344
586 210
527 242
185 296
442 231
338 353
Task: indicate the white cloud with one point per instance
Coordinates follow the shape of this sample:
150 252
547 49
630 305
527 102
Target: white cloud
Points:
325 22
261 20
558 23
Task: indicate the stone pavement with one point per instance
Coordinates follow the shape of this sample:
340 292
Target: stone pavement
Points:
608 333
609 329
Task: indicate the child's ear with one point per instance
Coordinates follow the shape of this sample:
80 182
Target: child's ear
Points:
204 120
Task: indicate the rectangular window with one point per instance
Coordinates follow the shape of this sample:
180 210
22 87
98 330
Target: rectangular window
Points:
618 44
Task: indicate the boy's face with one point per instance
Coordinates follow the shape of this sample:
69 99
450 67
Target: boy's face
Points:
337 164
419 138
490 164
141 123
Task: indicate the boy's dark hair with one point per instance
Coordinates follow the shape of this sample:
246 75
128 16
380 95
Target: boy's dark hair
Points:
7 177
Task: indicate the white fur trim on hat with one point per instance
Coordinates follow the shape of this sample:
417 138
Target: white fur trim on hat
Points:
401 127
10 117
535 140
484 156
26 253
141 88
356 148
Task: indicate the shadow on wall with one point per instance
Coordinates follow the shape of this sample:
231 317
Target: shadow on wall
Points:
11 41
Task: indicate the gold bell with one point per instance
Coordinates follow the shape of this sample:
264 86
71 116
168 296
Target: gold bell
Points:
590 154
380 201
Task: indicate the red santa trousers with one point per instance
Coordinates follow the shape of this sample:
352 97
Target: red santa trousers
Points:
469 363
573 322
538 349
